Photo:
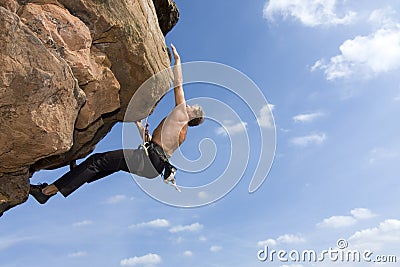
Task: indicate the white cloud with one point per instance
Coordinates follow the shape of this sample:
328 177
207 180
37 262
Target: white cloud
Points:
291 239
307 117
116 199
364 56
338 222
142 260
265 118
178 240
307 140
310 13
215 248
346 221
188 253
202 238
388 231
362 213
384 17
195 227
283 239
82 223
157 223
379 153
230 128
78 254
268 242
10 241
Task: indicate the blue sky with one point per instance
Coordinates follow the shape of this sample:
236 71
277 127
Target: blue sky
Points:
330 70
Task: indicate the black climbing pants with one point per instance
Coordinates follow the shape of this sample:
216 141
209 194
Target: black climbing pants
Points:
100 165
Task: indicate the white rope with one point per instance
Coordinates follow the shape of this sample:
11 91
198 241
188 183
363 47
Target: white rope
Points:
144 130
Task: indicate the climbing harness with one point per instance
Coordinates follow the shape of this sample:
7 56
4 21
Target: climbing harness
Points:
169 169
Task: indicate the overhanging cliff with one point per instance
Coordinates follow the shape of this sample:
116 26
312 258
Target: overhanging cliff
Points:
68 70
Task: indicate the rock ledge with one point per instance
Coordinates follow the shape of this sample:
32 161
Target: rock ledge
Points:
68 70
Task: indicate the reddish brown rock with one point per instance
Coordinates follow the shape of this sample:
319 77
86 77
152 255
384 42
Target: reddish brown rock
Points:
69 38
39 98
53 56
11 5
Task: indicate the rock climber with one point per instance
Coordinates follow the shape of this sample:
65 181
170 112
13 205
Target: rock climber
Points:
149 161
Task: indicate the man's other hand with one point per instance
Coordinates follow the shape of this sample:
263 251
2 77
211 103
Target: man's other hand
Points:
176 55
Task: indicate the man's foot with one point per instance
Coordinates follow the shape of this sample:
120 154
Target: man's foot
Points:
36 192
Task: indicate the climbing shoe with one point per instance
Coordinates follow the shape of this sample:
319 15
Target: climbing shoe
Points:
36 192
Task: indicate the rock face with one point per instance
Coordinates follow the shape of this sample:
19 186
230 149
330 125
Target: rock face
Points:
68 70
168 15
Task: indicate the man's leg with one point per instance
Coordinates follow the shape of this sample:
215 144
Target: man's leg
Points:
97 166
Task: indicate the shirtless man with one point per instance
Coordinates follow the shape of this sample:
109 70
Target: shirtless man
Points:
149 162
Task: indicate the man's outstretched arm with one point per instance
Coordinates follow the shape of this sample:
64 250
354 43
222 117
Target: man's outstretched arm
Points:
178 88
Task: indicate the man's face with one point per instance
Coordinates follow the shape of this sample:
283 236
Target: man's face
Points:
190 110
194 112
